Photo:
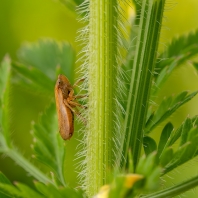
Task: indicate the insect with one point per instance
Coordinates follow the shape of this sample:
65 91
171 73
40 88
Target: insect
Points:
65 104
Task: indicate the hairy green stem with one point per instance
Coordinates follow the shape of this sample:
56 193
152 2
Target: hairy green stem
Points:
141 79
101 74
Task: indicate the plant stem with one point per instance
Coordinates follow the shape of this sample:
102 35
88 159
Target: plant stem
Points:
101 75
26 165
141 79
175 190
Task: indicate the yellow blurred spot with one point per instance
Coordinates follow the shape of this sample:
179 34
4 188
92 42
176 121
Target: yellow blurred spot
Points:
128 10
103 192
131 179
131 13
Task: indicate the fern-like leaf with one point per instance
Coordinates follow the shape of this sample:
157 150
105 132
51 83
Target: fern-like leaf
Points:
26 191
32 80
186 151
183 129
179 50
145 179
7 189
166 108
4 181
47 56
19 190
49 191
48 145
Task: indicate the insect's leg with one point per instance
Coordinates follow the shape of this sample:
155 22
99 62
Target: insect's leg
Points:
72 97
68 105
71 94
80 96
78 81
75 112
71 102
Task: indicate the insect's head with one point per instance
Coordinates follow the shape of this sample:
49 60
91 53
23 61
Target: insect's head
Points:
62 81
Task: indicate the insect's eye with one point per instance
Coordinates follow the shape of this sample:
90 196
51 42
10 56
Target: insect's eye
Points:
59 82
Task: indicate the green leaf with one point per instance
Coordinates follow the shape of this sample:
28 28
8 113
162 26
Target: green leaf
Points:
4 180
48 145
166 157
174 163
26 191
175 135
48 191
33 80
163 76
146 164
165 135
148 167
184 46
48 56
10 191
168 107
179 50
7 189
72 193
185 129
186 151
5 72
14 154
63 192
149 145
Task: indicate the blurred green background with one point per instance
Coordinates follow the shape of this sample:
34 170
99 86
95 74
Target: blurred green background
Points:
30 20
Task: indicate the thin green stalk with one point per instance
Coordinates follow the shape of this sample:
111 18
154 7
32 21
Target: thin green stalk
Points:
102 49
5 73
175 190
141 79
6 145
26 165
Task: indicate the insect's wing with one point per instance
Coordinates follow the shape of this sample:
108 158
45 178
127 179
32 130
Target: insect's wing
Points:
65 116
